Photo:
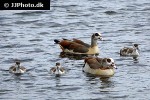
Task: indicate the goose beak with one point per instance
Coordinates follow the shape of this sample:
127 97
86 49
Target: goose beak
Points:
100 38
114 66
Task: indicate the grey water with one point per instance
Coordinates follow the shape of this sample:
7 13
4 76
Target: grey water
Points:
28 36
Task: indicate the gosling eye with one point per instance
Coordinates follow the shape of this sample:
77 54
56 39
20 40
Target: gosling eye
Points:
136 45
96 34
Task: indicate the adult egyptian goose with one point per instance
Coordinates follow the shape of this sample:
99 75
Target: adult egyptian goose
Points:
17 69
99 66
57 70
126 51
76 46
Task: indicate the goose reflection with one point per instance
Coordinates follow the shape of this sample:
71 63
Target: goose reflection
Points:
75 56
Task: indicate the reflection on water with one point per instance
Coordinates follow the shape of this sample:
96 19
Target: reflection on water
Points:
72 56
110 12
106 83
57 81
75 56
99 76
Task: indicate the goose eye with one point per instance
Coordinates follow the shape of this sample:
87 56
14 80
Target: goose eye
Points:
109 60
96 34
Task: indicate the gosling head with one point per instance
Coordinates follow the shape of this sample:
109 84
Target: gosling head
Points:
136 46
18 64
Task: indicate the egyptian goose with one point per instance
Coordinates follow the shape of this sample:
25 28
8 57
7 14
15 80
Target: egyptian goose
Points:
99 66
126 51
57 70
17 69
76 46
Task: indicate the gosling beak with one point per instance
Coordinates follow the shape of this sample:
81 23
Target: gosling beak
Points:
100 38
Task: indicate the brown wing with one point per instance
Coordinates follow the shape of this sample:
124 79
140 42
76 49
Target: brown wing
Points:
12 68
78 48
65 43
130 50
93 63
94 66
87 58
81 42
99 59
126 50
62 69
53 69
22 68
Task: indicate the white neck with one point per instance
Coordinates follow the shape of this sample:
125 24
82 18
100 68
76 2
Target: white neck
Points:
17 69
93 42
57 70
135 52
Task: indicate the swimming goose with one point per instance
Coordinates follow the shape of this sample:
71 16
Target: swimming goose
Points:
99 66
57 70
76 46
126 51
17 69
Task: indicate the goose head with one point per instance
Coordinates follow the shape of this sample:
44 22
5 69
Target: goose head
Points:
97 36
109 62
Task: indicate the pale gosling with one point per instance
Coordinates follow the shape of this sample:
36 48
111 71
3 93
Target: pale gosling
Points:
17 69
127 51
57 70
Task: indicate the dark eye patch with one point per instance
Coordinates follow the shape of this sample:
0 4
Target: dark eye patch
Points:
136 45
109 60
17 62
96 34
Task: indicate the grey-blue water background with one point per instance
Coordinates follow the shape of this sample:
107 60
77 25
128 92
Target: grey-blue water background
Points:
29 35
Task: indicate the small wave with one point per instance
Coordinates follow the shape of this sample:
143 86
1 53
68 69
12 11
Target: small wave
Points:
32 40
110 12
12 60
25 22
29 13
